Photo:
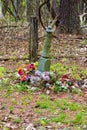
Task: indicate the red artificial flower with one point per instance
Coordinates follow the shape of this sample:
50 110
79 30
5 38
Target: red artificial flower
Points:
65 77
73 80
20 71
31 67
23 77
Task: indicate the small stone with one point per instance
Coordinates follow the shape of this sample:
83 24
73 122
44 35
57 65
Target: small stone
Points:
13 127
73 87
47 92
48 85
41 128
8 125
33 88
59 123
85 81
49 127
85 127
84 86
30 127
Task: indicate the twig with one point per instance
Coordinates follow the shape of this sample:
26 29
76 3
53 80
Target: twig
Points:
16 59
54 21
6 26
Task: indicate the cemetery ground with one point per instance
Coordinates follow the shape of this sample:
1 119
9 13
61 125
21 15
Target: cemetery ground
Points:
45 108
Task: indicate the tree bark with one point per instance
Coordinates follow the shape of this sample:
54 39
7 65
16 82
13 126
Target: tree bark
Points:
37 9
33 45
69 20
5 4
81 6
30 8
86 12
1 14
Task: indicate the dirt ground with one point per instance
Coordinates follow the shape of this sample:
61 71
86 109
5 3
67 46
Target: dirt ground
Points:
14 44
14 48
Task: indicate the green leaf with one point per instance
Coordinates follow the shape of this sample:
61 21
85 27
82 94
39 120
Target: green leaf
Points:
2 70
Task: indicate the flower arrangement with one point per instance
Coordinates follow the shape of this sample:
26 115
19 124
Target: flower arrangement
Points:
36 78
24 74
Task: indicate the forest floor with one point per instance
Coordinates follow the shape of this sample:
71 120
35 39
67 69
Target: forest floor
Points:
14 44
19 109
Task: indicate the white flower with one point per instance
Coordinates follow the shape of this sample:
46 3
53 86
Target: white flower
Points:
25 69
17 75
37 73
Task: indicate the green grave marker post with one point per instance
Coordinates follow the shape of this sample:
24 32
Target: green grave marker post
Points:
45 60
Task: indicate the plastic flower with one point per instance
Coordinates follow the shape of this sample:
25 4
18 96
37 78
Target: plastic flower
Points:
20 71
65 77
30 67
23 77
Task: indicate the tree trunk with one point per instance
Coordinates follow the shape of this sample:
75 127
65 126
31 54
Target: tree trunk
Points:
33 46
37 9
81 6
16 11
5 4
86 12
30 8
1 14
69 20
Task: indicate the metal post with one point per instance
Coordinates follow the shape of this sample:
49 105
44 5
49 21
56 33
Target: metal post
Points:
45 61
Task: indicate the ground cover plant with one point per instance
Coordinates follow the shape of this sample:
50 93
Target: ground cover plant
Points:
54 106
50 106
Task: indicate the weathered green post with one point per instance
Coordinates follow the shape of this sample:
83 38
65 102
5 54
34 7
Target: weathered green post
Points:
45 61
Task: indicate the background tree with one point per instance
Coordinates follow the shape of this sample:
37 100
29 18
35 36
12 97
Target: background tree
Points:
81 6
31 10
5 4
19 8
85 1
68 20
1 14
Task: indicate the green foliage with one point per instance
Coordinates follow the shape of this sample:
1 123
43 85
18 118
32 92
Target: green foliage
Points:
14 102
75 71
78 118
77 91
74 107
45 104
59 68
44 97
5 128
11 108
21 87
59 88
84 72
61 117
2 71
85 41
17 120
43 122
64 104
9 91
36 65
